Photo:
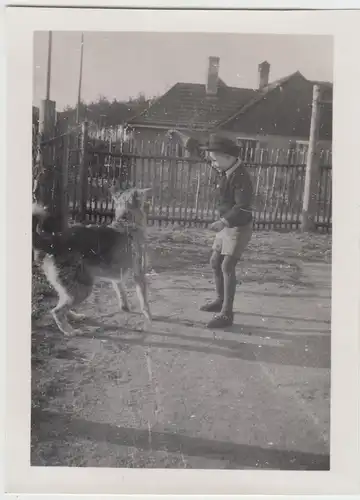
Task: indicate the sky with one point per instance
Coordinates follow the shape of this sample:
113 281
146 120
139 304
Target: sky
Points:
118 65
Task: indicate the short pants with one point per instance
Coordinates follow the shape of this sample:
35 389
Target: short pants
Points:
232 241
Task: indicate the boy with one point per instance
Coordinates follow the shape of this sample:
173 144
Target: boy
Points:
234 228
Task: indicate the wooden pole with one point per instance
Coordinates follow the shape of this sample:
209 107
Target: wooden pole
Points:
80 78
312 166
44 155
59 185
83 172
64 182
43 185
48 73
197 194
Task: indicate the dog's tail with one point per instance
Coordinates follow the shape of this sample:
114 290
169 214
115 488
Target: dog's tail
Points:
39 214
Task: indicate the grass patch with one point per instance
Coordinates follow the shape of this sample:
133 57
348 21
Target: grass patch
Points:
306 246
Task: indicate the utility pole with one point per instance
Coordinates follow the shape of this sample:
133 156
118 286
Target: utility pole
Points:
312 166
80 78
48 74
47 116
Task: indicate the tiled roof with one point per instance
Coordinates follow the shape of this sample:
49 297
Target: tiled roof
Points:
283 108
187 105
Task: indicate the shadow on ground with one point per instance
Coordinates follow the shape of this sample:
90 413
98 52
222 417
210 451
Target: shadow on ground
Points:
50 425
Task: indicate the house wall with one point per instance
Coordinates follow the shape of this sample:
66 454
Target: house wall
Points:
150 136
273 141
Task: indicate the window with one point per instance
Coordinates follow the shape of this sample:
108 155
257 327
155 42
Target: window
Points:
300 150
248 147
302 146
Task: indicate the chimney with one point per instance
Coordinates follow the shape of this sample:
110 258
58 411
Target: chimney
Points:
213 76
264 71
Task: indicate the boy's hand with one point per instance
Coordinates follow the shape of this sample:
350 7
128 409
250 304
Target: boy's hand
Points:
217 225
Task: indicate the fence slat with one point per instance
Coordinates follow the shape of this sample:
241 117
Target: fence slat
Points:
187 189
197 195
161 188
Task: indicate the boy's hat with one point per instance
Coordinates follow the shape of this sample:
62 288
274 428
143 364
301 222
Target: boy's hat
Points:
222 145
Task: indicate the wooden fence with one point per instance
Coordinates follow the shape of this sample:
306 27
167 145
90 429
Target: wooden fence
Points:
184 190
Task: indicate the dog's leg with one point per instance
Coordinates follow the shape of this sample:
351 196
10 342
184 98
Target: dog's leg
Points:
141 290
121 295
59 312
79 293
140 278
83 282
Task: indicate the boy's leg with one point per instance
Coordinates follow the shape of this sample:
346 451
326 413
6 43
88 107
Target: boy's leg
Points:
229 276
226 316
216 262
234 243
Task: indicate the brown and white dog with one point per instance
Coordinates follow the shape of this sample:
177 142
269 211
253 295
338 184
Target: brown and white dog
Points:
72 259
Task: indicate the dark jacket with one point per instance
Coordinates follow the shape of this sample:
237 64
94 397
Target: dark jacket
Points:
236 197
235 192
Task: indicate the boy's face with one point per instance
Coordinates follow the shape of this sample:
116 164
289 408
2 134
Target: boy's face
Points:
222 160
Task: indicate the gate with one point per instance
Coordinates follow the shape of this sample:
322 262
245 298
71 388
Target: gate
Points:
94 165
72 173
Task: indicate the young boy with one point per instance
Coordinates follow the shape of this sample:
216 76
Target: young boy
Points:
234 227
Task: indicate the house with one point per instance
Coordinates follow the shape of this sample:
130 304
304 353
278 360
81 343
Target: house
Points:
275 115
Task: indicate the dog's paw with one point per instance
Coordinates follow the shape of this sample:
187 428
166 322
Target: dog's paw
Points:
148 317
76 316
73 332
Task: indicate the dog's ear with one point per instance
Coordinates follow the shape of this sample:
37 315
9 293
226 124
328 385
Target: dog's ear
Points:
140 194
142 190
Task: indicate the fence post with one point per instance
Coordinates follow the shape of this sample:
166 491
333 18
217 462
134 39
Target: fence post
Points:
197 194
309 207
125 148
83 171
64 182
60 175
44 177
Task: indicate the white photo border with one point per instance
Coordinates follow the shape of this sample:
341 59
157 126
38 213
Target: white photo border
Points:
343 477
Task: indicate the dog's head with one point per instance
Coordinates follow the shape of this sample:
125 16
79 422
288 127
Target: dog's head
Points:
129 202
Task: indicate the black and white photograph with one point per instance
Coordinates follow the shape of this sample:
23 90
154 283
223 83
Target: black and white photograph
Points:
181 250
183 257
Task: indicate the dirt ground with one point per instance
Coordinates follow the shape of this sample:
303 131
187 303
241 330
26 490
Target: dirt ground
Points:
256 395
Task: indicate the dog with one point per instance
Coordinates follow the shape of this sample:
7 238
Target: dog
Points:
72 259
